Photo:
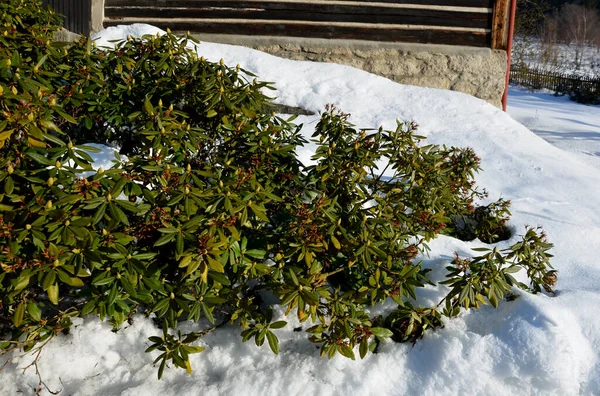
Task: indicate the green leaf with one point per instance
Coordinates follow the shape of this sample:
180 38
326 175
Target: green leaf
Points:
18 314
260 213
346 351
208 313
255 253
99 214
164 239
161 369
88 307
273 342
278 325
128 287
381 332
38 158
494 300
64 115
34 311
215 265
148 107
9 185
363 348
117 214
22 282
53 293
112 294
336 243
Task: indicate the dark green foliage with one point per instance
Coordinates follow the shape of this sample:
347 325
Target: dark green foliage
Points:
211 208
488 223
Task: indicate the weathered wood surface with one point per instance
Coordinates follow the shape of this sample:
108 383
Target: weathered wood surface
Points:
500 22
228 3
453 22
311 30
77 14
314 12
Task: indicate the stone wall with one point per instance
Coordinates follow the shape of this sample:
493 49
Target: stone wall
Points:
480 72
480 75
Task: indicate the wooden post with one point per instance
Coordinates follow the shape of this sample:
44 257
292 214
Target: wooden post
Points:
97 15
500 24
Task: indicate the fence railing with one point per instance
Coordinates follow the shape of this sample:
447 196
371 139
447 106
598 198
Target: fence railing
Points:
560 83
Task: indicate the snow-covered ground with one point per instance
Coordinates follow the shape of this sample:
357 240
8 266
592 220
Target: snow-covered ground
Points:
535 345
558 120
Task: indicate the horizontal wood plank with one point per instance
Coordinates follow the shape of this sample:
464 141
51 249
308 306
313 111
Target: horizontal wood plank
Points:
308 30
228 3
323 13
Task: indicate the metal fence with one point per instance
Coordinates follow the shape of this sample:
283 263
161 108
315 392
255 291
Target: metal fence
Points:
77 14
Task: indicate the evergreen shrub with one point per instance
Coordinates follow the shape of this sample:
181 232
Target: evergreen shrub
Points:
208 209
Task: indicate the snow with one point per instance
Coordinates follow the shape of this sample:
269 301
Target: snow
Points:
535 345
560 121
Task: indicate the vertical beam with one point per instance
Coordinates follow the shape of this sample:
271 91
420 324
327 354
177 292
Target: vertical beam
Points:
97 15
500 24
511 32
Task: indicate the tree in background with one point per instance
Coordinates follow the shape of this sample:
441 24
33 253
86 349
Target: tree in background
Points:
580 25
541 25
530 18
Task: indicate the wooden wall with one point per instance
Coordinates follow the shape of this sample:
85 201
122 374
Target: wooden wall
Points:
477 23
77 14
